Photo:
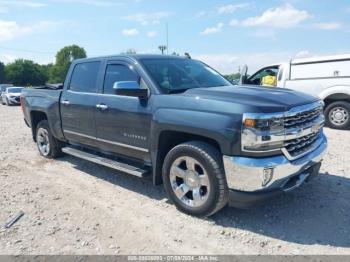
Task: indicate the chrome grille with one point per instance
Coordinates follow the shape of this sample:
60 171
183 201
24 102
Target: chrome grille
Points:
309 121
301 145
303 118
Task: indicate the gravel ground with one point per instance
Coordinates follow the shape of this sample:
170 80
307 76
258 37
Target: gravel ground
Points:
75 207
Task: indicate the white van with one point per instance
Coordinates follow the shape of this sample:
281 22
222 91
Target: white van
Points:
326 77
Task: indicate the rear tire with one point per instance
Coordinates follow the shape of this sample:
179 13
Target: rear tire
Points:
48 145
194 179
338 115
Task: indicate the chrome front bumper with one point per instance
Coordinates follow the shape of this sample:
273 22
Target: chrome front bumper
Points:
271 173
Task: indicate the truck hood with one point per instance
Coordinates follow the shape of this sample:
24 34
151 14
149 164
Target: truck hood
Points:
265 99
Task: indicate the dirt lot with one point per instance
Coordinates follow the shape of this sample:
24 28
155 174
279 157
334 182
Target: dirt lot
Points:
75 207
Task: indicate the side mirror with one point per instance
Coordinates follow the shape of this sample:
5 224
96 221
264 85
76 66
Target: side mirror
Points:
130 88
244 72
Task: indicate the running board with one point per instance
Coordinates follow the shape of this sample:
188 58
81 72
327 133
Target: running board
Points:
132 170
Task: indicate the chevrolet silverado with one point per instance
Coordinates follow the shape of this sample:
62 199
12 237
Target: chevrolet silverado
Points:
180 122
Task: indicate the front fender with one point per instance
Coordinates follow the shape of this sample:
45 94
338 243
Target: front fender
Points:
223 128
339 89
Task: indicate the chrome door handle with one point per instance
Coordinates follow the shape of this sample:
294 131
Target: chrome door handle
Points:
102 106
65 102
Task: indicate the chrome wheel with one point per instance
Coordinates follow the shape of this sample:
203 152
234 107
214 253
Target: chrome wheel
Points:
338 116
42 139
189 181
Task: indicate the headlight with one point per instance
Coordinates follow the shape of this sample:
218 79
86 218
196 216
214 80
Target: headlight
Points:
262 132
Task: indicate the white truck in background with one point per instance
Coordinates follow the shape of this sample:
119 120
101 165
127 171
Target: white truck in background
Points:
325 77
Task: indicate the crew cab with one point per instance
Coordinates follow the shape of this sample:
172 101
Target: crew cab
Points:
326 77
180 122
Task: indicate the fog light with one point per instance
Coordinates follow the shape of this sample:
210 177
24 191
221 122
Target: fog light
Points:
267 176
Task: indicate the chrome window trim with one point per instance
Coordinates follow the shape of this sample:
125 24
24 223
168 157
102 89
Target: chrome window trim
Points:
82 93
123 145
78 134
107 141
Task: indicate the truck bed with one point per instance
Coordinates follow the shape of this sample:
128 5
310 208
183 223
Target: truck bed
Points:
41 96
45 100
51 86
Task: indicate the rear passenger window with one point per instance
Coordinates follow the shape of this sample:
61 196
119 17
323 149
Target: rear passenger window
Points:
117 73
84 78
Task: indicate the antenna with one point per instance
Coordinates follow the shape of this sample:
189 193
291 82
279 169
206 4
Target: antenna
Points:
188 55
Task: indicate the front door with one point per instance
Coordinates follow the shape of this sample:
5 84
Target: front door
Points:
123 123
78 104
258 77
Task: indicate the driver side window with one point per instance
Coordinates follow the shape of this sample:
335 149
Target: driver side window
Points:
117 73
257 78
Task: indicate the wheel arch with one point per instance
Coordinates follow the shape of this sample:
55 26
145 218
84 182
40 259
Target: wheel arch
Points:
336 97
335 93
167 140
36 117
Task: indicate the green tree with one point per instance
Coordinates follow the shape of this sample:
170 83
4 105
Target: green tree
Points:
64 58
233 78
47 70
130 51
2 73
25 73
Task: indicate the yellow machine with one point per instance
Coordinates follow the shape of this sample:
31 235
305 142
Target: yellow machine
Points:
269 81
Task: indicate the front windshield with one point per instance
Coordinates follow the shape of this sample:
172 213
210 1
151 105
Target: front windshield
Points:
15 90
175 74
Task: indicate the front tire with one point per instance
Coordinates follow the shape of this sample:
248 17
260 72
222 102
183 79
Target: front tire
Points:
48 145
7 102
338 115
194 179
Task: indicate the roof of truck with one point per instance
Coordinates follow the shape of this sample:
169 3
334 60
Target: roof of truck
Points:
133 57
321 59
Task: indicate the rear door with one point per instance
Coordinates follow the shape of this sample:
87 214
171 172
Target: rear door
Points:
123 126
78 103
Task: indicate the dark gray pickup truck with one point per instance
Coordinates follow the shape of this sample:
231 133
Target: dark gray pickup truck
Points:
176 119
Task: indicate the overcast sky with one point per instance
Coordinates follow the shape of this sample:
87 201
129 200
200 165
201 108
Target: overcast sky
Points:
225 34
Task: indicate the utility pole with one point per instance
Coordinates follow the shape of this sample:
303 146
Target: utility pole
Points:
162 48
167 37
